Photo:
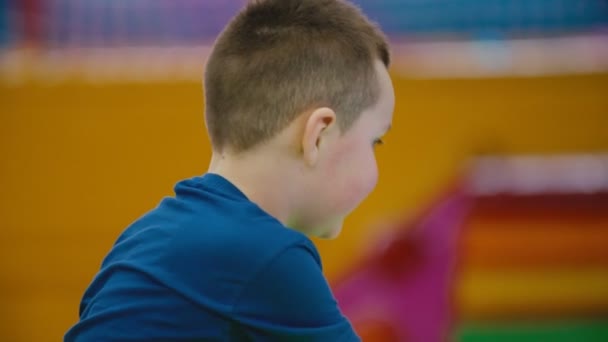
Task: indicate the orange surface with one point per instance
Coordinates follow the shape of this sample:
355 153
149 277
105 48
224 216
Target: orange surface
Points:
79 162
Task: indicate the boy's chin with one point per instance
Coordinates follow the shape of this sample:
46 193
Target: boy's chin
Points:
331 231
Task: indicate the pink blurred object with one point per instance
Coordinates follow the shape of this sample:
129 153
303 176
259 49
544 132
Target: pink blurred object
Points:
403 290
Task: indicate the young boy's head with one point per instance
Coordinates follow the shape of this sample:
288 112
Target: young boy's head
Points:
297 93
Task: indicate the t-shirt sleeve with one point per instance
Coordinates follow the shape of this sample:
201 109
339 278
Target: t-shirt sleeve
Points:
289 299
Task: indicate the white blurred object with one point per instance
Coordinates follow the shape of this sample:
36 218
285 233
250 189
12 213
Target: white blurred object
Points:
507 57
527 175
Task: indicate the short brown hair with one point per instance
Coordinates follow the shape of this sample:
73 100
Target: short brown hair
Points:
279 58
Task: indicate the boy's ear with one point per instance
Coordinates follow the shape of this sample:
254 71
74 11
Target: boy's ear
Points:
315 131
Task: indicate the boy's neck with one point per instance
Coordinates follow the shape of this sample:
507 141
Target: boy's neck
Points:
263 177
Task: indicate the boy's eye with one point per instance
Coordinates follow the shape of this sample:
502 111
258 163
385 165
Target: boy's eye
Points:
378 142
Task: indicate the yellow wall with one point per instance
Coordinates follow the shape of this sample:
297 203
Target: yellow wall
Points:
78 163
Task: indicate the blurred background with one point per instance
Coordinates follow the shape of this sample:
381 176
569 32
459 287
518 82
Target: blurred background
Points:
490 219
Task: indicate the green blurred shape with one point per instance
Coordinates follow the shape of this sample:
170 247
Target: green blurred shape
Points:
562 331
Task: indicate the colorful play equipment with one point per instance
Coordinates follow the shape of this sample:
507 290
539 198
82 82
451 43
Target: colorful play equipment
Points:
515 250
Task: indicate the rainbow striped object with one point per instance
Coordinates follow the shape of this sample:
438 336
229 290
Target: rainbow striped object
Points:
518 251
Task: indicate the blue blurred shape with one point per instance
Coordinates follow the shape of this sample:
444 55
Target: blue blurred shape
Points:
4 24
196 22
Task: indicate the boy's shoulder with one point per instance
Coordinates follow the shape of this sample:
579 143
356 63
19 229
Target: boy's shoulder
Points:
208 230
224 220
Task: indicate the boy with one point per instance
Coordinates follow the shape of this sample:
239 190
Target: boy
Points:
297 95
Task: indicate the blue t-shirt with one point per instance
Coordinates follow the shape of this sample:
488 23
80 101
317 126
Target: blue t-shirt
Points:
210 265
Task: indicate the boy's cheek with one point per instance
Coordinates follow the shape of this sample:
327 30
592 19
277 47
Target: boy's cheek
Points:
362 176
350 179
361 183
